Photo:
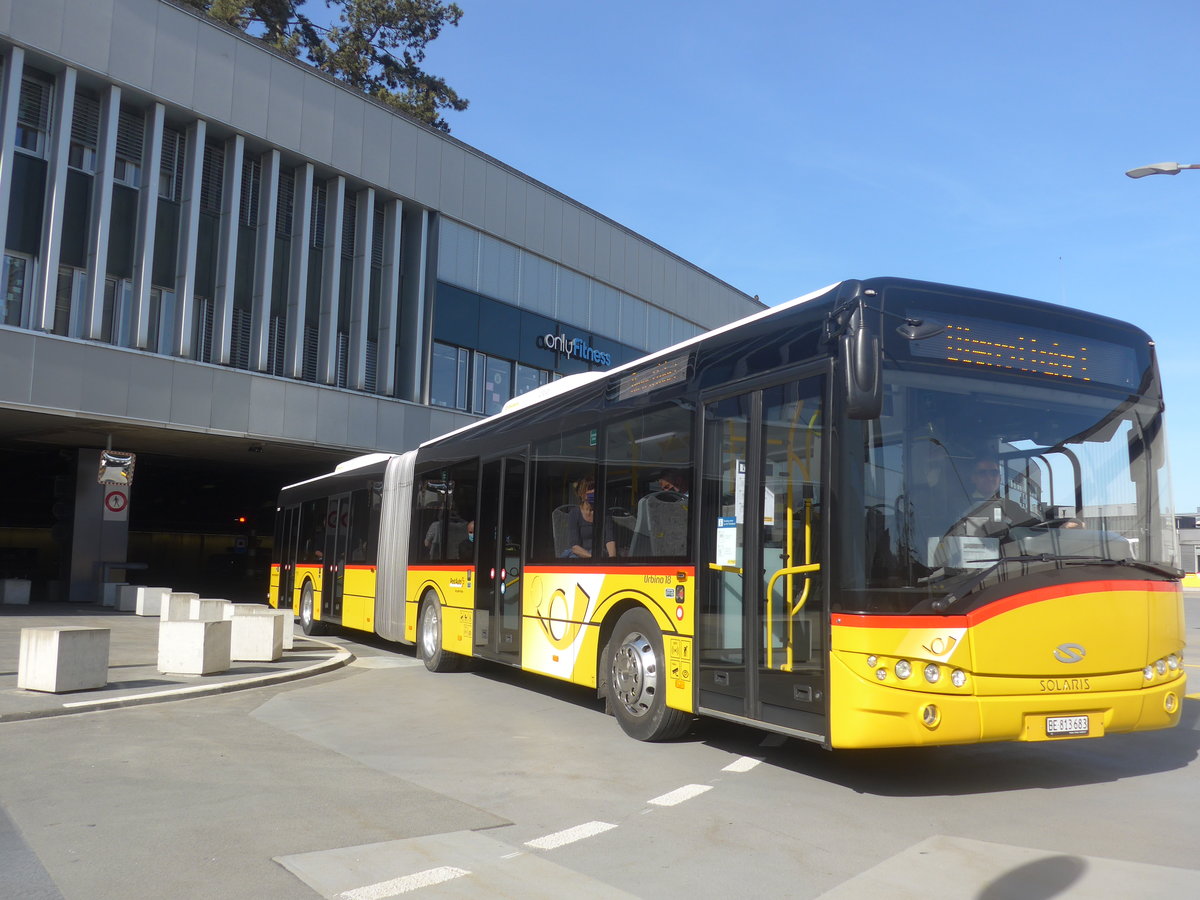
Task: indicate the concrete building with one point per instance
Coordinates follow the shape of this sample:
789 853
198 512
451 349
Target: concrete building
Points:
243 272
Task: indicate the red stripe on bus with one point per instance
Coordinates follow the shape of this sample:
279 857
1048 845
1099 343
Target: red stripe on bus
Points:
631 570
975 617
457 568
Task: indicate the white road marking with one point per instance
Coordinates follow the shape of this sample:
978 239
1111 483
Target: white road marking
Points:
674 798
569 836
743 764
405 884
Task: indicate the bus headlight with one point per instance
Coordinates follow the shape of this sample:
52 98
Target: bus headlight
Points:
1170 703
881 674
1161 667
1148 672
932 673
1173 663
903 669
958 678
872 660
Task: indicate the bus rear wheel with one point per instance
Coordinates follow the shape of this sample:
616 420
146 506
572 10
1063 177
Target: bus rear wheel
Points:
429 639
308 620
635 683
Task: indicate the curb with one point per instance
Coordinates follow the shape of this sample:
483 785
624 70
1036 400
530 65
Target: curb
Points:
342 658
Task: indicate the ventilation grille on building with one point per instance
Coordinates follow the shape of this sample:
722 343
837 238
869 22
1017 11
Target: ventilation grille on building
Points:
170 173
349 224
129 136
212 178
276 345
283 206
371 365
85 122
317 223
377 240
33 110
239 346
251 183
343 358
311 342
202 339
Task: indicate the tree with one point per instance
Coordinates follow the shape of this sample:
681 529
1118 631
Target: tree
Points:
375 45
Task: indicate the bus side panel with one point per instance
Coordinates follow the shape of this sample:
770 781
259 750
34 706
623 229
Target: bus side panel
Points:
564 611
358 598
304 573
455 589
273 587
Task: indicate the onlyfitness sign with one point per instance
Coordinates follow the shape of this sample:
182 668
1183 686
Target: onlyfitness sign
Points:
573 348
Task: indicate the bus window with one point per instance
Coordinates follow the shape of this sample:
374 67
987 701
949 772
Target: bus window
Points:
311 549
648 465
445 507
563 466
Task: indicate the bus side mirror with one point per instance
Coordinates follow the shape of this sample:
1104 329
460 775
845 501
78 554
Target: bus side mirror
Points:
860 359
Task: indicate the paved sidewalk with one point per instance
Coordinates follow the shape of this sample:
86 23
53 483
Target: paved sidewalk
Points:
133 675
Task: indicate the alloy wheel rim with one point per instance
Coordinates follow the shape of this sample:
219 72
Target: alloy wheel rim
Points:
635 673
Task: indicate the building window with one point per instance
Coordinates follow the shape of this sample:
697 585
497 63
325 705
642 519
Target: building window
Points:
33 115
170 172
127 168
251 184
449 378
529 378
17 276
493 383
85 131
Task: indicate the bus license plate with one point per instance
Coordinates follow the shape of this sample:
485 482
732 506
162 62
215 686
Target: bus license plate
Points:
1059 726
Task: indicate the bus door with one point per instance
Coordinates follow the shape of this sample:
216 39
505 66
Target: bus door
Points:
337 541
761 620
498 532
286 531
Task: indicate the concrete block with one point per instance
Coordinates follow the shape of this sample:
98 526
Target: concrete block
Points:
257 609
63 658
150 600
177 606
14 591
256 637
109 591
207 609
193 647
127 595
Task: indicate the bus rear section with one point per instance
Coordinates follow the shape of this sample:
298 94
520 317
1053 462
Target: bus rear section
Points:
1076 660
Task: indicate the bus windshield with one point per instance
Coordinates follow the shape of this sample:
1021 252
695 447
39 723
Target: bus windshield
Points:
967 482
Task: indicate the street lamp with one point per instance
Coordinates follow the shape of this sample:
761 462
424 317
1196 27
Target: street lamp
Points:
1167 168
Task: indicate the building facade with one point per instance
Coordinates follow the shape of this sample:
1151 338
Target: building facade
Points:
244 271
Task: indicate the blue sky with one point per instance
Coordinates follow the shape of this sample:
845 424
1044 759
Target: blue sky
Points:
785 145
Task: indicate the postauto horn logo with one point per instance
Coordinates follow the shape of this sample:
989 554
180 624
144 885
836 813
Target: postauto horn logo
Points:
573 348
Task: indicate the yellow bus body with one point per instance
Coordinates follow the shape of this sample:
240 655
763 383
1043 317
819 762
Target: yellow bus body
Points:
564 613
1107 634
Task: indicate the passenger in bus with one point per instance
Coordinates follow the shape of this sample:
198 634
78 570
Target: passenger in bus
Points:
581 524
466 547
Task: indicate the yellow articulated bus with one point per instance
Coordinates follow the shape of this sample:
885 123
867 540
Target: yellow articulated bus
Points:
890 513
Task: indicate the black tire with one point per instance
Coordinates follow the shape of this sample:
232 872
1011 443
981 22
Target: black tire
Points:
635 673
308 621
429 639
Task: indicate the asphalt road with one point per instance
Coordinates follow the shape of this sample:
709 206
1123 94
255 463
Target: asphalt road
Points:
382 779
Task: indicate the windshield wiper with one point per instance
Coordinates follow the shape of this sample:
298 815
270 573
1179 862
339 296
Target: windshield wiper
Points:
979 577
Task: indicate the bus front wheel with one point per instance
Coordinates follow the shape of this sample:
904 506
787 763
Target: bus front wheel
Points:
636 680
308 620
429 639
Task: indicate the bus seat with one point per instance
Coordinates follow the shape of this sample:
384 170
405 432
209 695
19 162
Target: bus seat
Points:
559 519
